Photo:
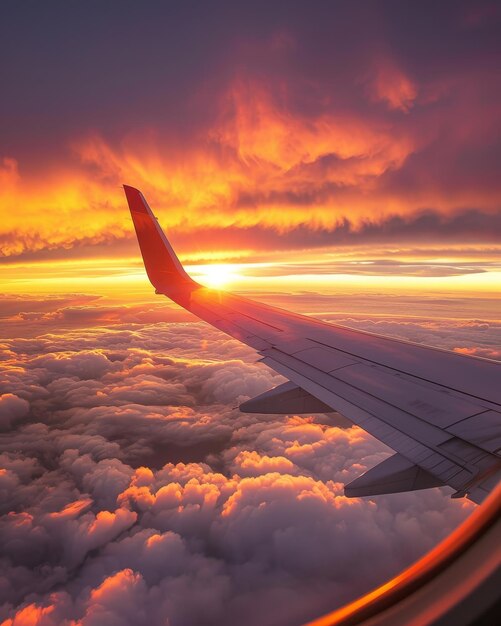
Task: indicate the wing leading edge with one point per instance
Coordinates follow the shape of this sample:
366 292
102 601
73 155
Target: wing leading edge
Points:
440 411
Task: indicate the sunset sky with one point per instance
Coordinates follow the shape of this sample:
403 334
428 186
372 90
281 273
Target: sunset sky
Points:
324 134
340 159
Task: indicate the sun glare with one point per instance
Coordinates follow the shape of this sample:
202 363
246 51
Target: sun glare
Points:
216 275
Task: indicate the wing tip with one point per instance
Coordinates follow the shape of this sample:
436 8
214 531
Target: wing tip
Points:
135 199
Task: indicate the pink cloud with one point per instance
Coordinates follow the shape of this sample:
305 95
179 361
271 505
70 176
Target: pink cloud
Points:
135 488
12 408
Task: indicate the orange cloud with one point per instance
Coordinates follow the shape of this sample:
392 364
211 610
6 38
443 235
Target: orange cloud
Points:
56 209
261 161
72 510
262 129
31 615
116 584
389 84
488 353
251 463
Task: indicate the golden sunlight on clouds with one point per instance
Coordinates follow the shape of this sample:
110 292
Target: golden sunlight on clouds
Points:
267 136
57 210
125 279
260 163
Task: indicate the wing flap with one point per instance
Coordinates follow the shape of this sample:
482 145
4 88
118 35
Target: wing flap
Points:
287 398
394 475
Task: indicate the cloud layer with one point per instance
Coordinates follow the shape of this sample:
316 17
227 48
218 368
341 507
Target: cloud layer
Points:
133 492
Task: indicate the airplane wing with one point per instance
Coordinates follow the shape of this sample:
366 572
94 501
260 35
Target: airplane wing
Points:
438 410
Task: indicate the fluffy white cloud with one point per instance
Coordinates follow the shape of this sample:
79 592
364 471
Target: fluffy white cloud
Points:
134 493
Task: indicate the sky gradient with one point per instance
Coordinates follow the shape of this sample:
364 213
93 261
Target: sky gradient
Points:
337 159
370 131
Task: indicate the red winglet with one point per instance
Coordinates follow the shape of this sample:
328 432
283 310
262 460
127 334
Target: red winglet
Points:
164 270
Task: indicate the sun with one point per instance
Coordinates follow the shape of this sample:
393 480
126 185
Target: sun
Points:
217 274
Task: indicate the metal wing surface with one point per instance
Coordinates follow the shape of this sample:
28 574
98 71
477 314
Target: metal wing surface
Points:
438 410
